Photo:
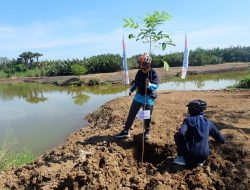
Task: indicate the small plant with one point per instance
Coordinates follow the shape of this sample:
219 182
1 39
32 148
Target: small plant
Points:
148 32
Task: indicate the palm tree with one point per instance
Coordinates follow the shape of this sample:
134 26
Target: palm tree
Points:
24 56
37 55
28 57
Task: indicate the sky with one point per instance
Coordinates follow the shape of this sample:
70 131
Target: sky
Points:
62 29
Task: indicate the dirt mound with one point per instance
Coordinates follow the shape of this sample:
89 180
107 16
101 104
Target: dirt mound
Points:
93 158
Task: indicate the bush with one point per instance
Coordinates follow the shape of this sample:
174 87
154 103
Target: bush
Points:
20 67
104 63
77 69
244 83
93 82
3 74
31 73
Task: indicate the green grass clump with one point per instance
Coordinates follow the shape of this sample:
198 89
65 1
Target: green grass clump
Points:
9 158
244 83
21 157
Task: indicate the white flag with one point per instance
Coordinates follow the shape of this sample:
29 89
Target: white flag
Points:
185 60
124 62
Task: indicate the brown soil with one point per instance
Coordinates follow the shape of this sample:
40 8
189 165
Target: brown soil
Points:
116 164
117 77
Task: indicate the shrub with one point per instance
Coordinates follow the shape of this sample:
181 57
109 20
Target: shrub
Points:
3 74
93 82
77 69
244 83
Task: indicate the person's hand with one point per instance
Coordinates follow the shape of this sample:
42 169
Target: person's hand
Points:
147 82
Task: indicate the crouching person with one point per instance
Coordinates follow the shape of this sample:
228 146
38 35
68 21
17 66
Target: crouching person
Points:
192 138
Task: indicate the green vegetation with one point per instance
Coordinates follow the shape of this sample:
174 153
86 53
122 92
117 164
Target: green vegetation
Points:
78 69
3 74
25 67
244 83
8 158
148 32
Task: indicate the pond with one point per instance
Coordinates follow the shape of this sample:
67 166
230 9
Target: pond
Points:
40 117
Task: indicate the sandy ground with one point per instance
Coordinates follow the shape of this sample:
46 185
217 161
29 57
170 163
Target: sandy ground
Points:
92 158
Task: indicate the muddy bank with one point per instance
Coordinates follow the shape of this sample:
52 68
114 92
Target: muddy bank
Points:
117 77
92 158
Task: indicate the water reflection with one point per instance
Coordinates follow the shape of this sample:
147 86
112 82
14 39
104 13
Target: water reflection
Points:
197 85
41 116
80 99
37 93
99 90
31 92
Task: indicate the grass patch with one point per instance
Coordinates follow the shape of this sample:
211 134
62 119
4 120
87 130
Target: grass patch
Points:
22 157
9 158
244 83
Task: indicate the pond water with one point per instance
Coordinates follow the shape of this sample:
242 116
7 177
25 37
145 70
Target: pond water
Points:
40 117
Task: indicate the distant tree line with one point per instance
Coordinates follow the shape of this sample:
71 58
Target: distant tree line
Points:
28 64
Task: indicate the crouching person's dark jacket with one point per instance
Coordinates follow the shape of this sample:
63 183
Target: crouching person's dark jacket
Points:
195 131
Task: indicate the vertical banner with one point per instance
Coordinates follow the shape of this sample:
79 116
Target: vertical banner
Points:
166 65
185 60
124 62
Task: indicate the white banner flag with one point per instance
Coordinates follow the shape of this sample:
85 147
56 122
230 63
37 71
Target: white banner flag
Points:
124 62
185 60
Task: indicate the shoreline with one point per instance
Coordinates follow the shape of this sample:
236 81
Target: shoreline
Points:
117 77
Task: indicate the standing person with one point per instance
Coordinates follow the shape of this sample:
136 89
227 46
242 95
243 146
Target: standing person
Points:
146 82
192 138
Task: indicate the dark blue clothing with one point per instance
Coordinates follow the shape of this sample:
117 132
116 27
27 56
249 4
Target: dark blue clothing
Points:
140 81
140 86
193 138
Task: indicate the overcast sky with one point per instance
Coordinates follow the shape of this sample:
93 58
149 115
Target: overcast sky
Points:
62 29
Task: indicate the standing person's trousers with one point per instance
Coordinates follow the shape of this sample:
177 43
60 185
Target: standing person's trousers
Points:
134 108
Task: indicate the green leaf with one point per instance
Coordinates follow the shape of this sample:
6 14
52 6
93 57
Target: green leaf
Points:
164 45
125 20
132 21
130 36
170 43
125 25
